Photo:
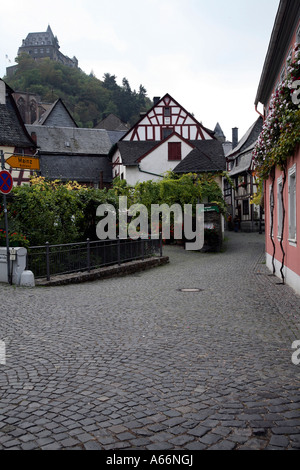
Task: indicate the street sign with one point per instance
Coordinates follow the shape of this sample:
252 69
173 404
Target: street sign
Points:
6 182
25 163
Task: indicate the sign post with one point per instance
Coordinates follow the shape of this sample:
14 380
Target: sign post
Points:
24 162
6 183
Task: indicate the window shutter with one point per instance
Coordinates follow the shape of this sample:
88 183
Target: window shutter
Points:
174 150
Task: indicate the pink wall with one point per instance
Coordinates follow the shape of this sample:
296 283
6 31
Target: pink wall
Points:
292 250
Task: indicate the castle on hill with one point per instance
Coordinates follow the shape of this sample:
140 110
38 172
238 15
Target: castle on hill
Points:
41 45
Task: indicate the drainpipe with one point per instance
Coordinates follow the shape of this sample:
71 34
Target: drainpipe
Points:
149 173
259 112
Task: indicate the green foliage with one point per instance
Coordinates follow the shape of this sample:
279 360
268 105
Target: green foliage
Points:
280 135
87 98
64 213
46 212
173 189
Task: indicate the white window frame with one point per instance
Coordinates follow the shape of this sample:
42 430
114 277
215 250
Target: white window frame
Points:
292 185
279 208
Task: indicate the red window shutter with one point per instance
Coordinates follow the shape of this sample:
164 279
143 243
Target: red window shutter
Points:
174 151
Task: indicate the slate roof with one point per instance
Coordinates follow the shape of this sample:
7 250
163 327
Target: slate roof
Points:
83 169
245 161
42 120
243 152
77 154
72 140
12 130
131 151
248 139
208 155
112 123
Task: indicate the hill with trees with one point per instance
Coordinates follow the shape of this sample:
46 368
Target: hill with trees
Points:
87 98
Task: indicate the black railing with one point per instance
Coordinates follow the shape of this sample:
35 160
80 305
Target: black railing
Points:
49 260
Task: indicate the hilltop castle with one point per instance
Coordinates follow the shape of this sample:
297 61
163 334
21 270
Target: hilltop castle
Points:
41 45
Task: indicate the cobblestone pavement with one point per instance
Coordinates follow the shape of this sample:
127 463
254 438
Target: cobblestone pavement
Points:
134 363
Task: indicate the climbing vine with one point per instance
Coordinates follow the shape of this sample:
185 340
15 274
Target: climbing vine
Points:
280 135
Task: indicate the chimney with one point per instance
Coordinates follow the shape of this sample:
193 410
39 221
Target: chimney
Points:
2 92
156 99
33 136
235 137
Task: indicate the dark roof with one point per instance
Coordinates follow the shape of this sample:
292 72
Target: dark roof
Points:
115 136
248 139
112 123
83 169
131 151
12 130
49 111
208 155
71 140
285 23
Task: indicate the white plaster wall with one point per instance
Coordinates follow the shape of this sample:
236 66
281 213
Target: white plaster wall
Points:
157 161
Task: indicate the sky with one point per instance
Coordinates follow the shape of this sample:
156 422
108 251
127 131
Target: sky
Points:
207 54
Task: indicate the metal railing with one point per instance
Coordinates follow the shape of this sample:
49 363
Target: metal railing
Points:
49 260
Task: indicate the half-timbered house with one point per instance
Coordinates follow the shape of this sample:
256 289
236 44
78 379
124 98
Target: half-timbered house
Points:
14 138
161 139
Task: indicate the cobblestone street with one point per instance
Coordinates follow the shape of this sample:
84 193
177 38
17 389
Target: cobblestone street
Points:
135 363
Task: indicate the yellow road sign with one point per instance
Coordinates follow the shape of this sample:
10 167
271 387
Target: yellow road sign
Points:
25 163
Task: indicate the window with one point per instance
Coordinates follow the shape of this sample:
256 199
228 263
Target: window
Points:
174 151
245 207
292 204
167 111
279 207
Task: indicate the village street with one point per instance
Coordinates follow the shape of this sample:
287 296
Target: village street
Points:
135 363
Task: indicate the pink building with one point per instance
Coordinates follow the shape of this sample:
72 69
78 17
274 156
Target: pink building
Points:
277 152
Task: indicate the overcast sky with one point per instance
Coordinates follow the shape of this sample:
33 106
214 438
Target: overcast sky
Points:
207 54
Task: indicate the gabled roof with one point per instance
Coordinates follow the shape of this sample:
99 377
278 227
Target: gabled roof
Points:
131 151
243 153
112 123
12 130
43 119
162 142
248 139
209 131
71 140
207 156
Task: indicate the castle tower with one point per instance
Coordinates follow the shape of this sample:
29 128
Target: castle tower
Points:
41 45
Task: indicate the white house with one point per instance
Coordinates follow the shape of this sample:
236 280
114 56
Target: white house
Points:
160 141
